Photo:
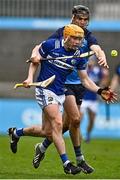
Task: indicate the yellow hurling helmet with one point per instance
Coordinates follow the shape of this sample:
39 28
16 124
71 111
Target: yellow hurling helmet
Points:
73 30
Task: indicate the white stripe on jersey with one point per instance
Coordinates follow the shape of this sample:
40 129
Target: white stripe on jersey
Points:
61 64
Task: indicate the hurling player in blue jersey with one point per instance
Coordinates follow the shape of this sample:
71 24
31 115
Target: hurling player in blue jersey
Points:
75 89
52 98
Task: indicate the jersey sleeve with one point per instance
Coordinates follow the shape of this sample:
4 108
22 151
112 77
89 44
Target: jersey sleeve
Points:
91 39
46 47
58 34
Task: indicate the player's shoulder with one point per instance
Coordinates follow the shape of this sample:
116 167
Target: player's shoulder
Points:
57 34
49 43
87 32
60 30
90 38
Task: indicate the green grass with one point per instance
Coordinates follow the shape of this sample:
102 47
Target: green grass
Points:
103 155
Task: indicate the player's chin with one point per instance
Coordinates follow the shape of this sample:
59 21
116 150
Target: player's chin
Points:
73 48
82 25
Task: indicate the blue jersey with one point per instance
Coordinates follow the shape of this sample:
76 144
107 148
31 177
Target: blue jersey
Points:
73 78
118 70
95 73
88 41
58 68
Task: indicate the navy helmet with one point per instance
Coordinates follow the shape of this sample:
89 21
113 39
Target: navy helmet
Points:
80 9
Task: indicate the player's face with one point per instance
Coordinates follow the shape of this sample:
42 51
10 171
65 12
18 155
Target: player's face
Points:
81 20
73 42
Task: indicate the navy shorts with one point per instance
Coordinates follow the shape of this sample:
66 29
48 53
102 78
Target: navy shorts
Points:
77 90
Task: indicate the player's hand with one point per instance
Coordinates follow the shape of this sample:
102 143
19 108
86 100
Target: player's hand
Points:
107 94
102 62
27 82
35 60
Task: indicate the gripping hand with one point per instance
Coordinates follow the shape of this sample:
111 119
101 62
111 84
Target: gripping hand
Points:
107 94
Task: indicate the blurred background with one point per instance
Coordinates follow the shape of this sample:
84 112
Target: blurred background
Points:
25 23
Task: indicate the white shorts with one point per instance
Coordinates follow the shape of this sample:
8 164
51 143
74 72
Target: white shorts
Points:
45 97
87 104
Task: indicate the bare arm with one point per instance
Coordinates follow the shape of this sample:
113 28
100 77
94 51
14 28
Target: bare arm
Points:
31 72
87 82
35 56
100 55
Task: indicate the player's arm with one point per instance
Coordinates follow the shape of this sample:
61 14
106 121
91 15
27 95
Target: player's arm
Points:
35 51
94 46
32 70
100 55
43 51
87 82
35 56
105 93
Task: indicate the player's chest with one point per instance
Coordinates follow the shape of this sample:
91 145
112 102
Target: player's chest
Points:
56 53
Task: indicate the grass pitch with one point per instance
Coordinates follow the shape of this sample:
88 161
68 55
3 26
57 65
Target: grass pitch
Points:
103 155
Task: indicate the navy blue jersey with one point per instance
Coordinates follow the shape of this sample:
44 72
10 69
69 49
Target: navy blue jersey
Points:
88 41
58 68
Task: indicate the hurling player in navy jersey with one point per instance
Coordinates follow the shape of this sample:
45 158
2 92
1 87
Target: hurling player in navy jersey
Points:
52 97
